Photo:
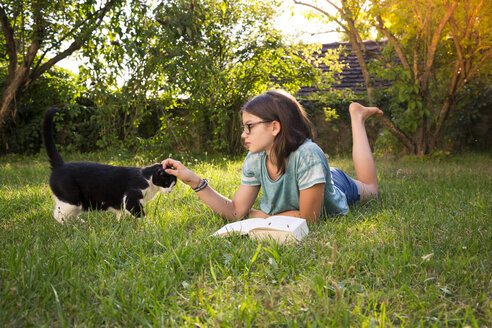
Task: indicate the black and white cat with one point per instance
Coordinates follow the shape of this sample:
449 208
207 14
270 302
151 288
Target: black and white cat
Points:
81 186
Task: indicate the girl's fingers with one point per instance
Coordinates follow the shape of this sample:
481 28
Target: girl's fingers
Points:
177 169
171 164
171 172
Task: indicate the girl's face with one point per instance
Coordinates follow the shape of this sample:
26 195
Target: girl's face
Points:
261 135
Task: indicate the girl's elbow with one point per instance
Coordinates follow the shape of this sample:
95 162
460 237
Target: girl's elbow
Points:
312 217
239 214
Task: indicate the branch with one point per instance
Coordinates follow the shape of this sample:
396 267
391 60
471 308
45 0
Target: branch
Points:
363 67
467 70
471 21
70 33
323 32
377 57
37 36
475 68
415 60
399 134
448 99
463 69
457 82
417 14
8 32
322 11
74 46
453 27
313 7
362 45
392 39
433 46
333 5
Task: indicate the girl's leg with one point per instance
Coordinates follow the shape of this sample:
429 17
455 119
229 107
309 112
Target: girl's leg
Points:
367 179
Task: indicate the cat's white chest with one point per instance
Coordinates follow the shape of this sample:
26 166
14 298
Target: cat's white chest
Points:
149 192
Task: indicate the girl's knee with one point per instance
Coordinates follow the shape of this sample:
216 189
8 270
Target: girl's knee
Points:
367 192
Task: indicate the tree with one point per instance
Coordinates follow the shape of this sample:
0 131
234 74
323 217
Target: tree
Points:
38 34
203 60
440 46
220 54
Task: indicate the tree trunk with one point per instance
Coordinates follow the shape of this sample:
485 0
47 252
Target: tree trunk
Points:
472 51
352 34
20 77
421 138
12 87
400 135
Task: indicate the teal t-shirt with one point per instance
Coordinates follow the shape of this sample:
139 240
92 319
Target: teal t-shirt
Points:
306 167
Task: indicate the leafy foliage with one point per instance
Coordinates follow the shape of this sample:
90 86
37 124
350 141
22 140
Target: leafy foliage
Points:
56 88
328 110
78 127
434 48
470 127
201 61
37 35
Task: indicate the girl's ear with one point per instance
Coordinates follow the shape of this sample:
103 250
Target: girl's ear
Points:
276 127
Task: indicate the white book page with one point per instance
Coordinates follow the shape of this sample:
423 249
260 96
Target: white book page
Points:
241 226
286 223
297 226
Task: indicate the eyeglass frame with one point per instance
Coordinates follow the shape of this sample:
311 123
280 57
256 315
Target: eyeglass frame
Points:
247 126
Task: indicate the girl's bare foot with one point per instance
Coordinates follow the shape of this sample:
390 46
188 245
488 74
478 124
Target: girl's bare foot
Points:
367 178
362 112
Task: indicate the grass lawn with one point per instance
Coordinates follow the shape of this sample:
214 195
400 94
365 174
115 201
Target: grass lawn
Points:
419 256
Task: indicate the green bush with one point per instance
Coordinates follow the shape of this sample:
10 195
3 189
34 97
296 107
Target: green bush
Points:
328 111
78 128
56 88
470 127
467 129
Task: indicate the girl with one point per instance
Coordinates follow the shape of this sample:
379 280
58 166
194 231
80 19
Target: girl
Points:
292 170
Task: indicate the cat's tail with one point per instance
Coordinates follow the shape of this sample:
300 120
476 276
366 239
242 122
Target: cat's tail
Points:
49 142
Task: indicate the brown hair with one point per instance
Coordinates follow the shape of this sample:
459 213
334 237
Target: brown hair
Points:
280 106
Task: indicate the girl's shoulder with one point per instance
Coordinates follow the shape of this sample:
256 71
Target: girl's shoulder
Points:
308 154
253 161
308 147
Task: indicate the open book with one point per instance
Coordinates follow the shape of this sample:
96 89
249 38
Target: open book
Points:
283 229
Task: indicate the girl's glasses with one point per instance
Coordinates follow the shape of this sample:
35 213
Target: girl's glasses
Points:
247 127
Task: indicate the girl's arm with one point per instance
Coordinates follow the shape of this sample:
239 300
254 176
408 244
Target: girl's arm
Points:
237 208
310 202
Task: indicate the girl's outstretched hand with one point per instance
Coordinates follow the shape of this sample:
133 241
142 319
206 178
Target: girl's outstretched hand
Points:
181 172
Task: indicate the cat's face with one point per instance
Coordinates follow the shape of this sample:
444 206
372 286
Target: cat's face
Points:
164 180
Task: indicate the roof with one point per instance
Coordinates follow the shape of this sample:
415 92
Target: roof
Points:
351 76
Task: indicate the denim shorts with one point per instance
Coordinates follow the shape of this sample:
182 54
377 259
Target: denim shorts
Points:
346 184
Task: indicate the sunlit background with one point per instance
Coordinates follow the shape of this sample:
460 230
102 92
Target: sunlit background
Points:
291 21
